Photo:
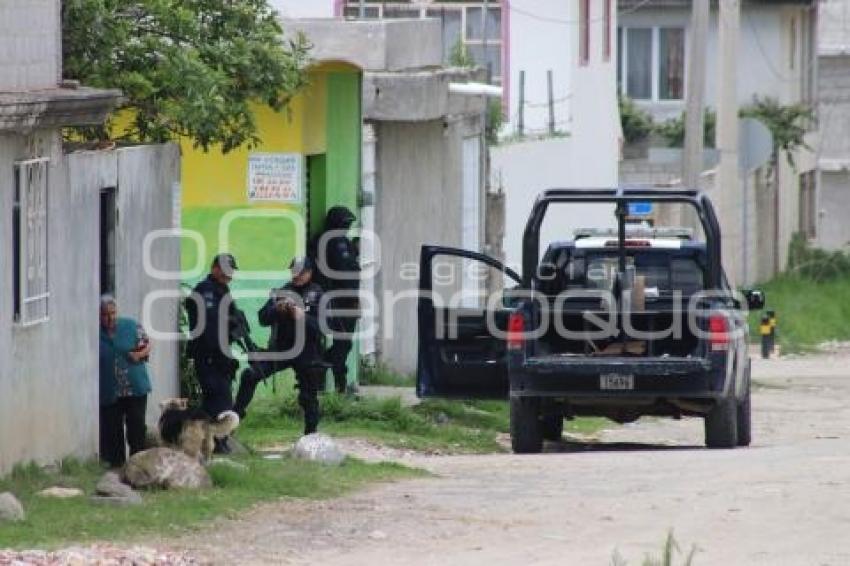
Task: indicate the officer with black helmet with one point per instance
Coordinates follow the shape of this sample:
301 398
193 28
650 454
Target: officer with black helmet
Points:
214 364
342 258
292 313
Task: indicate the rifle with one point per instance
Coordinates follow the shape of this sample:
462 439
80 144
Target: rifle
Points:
240 332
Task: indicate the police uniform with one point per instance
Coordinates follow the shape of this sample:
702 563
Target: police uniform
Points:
215 368
304 357
342 256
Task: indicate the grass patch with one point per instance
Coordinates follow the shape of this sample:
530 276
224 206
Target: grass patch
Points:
52 522
808 312
434 425
382 375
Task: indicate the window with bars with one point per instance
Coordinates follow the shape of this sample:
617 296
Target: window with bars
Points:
462 22
29 221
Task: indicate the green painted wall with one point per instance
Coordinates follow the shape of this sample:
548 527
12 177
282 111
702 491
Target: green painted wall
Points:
344 139
344 131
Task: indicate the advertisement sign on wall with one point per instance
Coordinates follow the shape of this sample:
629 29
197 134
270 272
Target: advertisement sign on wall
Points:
276 177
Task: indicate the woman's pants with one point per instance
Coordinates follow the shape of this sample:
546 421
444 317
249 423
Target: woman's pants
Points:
125 411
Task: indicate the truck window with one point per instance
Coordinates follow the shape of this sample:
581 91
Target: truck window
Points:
662 272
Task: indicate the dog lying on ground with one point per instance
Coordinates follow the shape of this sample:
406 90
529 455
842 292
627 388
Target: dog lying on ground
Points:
192 430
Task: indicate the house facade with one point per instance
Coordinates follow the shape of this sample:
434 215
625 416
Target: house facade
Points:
72 225
264 203
833 199
777 47
422 170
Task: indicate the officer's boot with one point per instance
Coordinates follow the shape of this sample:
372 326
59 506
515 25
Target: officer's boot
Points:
341 381
308 398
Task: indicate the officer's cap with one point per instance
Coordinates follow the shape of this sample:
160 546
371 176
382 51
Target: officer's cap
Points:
226 262
300 264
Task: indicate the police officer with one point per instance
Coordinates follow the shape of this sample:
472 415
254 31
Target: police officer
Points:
292 314
214 364
342 257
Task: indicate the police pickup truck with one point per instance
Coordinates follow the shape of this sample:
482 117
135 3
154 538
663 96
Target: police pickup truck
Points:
618 323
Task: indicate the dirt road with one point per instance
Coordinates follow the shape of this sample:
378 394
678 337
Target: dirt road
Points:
785 500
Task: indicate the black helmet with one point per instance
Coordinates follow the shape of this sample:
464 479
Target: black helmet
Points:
339 218
300 264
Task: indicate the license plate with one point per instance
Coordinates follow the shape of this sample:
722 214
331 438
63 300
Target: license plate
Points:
617 381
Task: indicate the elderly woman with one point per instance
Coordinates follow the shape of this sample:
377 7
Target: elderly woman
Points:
124 383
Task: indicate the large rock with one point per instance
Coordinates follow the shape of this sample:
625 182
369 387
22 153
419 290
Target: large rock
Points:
318 447
165 468
10 508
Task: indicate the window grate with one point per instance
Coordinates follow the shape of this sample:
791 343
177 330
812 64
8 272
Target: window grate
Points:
30 222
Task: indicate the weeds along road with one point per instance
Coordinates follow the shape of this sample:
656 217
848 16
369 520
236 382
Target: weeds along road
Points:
785 500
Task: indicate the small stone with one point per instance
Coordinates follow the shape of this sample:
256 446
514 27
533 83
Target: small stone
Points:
61 492
318 447
378 535
10 508
441 418
133 498
110 485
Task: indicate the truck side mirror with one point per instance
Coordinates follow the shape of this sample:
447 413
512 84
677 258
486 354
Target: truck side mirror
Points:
755 299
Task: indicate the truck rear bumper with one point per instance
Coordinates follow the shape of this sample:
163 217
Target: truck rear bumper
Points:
566 376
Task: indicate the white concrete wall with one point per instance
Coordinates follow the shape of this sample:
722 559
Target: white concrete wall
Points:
537 46
30 49
49 372
525 169
146 178
418 201
586 109
764 67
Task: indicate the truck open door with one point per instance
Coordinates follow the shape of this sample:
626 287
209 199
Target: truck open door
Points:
458 354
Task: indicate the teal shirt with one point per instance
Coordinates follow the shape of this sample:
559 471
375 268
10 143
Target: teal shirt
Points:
119 375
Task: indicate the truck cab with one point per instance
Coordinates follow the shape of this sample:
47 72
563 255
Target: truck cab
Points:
619 323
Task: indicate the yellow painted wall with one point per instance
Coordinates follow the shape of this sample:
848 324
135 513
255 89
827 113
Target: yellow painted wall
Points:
216 179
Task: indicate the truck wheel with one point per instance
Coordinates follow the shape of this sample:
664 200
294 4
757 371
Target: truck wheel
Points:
553 427
721 423
526 425
745 426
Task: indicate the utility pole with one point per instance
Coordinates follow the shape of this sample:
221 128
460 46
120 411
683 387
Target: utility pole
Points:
521 103
551 102
694 107
727 181
362 10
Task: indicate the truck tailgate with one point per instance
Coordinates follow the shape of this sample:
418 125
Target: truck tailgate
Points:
635 365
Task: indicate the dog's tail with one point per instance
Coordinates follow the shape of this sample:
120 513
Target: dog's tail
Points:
224 424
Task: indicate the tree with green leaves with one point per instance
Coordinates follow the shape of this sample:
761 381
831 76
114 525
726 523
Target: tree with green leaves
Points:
787 122
187 68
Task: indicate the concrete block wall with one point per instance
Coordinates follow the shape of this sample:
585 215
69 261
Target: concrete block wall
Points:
30 45
49 372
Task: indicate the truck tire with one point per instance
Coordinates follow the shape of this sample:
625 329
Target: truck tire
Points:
721 423
553 427
745 426
526 425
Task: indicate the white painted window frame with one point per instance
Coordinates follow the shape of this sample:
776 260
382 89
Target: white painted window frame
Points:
23 298
655 64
